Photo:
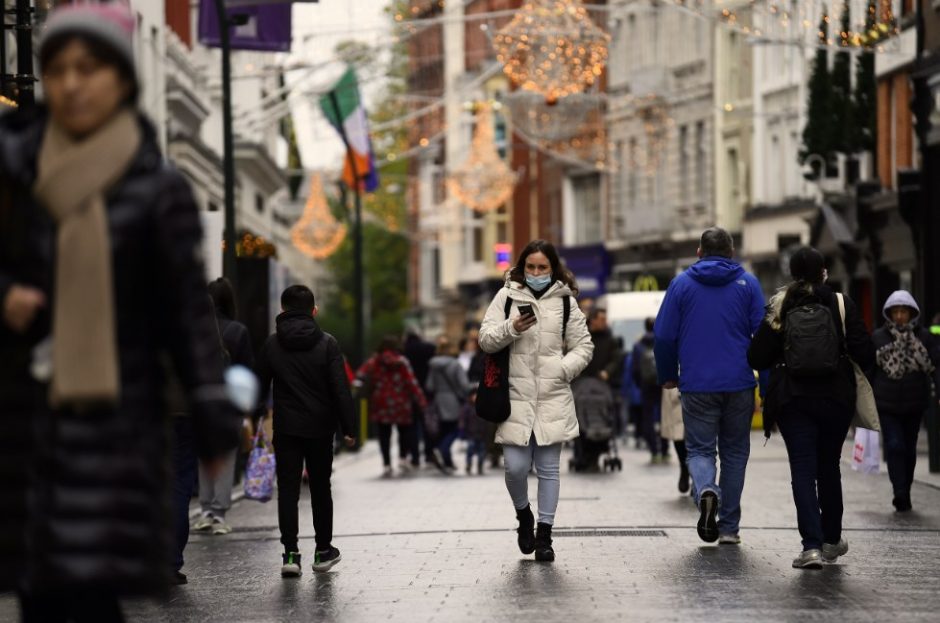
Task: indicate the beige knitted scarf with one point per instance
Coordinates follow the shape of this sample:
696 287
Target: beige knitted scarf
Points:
73 178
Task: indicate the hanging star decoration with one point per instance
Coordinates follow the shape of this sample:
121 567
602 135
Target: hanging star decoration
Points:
553 48
317 234
483 182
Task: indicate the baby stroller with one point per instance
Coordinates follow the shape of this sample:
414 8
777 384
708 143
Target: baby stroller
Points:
594 406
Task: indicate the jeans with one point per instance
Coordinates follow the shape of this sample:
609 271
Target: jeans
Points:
448 435
814 430
184 481
291 453
899 433
407 443
719 425
215 494
547 459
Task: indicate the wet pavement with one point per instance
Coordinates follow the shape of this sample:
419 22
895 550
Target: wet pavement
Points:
426 547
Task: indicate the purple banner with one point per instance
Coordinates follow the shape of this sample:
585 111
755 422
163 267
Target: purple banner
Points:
268 27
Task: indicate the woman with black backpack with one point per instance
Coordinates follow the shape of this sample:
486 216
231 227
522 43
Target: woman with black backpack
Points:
811 395
549 345
906 357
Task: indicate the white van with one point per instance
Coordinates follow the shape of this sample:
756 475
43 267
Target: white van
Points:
627 311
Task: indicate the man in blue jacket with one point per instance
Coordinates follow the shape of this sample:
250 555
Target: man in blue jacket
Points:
703 331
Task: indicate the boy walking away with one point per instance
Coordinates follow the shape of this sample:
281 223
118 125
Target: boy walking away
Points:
311 401
703 332
646 378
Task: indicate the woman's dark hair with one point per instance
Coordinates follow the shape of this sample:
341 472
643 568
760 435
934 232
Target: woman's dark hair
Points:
223 297
807 268
102 52
559 272
390 343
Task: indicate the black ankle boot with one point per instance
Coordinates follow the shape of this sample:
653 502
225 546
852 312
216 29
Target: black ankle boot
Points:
525 530
543 543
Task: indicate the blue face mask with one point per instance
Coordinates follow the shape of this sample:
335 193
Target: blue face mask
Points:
538 283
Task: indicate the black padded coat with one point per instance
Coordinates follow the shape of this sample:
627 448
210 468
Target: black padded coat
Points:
85 504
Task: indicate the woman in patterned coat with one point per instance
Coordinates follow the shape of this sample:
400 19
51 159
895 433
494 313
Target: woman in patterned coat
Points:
394 389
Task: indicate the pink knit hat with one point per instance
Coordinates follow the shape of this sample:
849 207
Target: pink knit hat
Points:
111 23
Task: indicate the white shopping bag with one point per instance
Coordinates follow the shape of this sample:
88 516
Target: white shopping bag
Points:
866 455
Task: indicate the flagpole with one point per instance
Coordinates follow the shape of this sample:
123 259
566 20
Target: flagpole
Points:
357 237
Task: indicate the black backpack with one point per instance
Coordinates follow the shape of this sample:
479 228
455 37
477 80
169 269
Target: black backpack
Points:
811 346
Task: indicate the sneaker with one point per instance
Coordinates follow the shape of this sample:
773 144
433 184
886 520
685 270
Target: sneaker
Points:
219 527
832 551
203 523
324 561
404 467
729 539
810 559
707 523
290 568
437 459
387 472
656 459
480 469
179 578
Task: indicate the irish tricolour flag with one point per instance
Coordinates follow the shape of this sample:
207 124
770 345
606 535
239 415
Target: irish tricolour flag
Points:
344 110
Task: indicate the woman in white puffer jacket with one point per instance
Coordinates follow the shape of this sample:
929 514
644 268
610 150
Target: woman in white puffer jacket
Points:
541 368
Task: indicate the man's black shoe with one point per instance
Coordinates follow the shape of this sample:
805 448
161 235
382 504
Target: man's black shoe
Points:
526 530
707 523
902 503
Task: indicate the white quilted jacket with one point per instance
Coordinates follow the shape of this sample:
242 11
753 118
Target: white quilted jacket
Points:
540 369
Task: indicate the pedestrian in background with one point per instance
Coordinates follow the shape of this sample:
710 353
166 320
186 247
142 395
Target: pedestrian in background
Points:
476 431
215 493
394 397
702 332
91 218
312 400
633 398
419 353
646 378
907 357
604 373
541 367
672 429
811 395
449 387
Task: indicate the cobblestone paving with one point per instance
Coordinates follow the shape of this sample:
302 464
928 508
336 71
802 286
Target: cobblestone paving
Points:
425 547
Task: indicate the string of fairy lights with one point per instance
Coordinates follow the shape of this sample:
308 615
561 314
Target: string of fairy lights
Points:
554 54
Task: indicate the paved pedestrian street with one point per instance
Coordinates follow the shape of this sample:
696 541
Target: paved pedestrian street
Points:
426 547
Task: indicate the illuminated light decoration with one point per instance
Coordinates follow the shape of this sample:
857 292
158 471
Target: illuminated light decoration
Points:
552 47
317 234
254 246
653 113
483 182
541 121
7 102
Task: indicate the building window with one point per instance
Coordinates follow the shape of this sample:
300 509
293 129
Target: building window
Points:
587 207
700 175
684 165
734 190
774 164
259 203
631 174
477 243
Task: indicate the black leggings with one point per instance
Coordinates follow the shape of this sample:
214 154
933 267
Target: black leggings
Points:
407 443
682 453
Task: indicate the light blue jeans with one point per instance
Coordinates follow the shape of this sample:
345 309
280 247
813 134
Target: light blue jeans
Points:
547 460
719 425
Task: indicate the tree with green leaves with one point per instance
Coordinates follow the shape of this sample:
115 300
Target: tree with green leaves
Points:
818 134
864 100
845 134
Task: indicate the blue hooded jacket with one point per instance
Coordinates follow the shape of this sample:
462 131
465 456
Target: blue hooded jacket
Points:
705 325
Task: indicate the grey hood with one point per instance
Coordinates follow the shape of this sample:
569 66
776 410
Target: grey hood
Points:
898 298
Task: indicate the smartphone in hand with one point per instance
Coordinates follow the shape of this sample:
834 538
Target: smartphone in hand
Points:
526 310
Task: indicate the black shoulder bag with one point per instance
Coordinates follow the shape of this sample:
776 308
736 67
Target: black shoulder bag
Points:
493 393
